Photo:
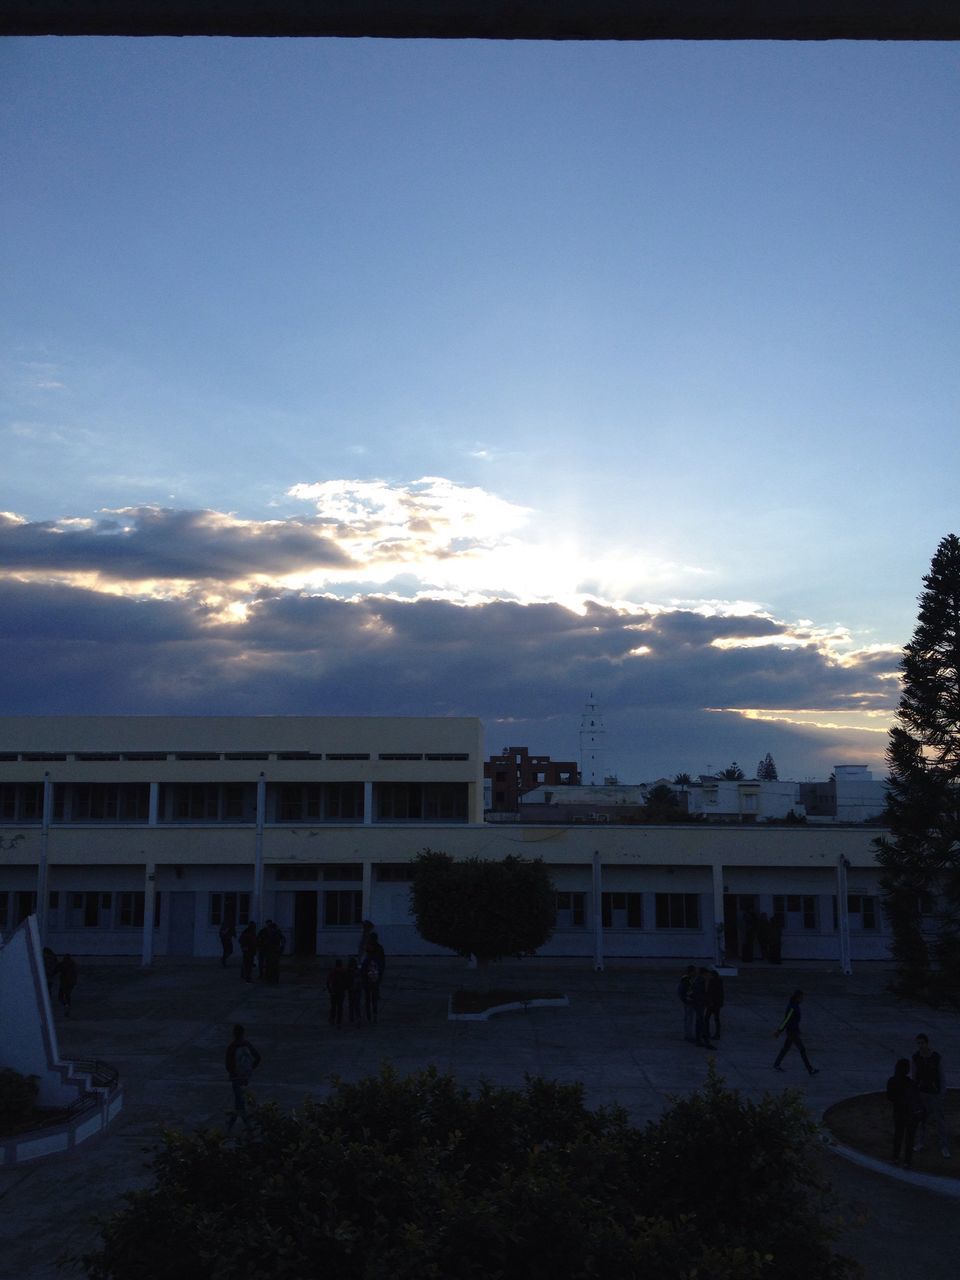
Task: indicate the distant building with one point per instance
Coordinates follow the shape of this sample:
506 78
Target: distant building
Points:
515 771
851 795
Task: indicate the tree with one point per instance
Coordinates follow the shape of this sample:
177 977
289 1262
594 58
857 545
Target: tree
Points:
482 908
662 805
732 773
682 780
393 1178
921 860
767 768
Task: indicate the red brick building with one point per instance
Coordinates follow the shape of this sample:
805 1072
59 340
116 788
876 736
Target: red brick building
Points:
515 771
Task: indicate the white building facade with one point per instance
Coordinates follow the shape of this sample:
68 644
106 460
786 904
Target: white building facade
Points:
141 835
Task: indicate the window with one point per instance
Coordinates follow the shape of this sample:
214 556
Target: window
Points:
571 909
208 802
421 801
343 871
621 910
234 907
861 911
21 801
395 871
348 755
109 802
795 911
678 911
400 755
342 906
450 755
299 871
131 910
86 908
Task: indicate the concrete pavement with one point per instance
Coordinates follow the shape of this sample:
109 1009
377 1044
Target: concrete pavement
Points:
166 1029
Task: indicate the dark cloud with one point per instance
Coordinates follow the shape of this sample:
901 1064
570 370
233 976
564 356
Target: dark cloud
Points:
524 669
156 543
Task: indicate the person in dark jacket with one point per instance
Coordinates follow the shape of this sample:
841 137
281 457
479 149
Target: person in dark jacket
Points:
67 970
248 951
699 992
371 975
227 935
790 1026
241 1061
907 1103
929 1079
685 996
714 1003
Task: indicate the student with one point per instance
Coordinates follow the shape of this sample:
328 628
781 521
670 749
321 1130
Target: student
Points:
685 996
241 1061
791 1027
227 935
371 975
700 1008
929 1079
906 1100
714 1003
354 988
68 980
248 951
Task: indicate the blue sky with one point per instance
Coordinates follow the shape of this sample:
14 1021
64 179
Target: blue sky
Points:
465 377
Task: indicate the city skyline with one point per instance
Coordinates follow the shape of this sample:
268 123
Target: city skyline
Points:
374 377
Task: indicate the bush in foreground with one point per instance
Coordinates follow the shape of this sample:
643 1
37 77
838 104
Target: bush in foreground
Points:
417 1179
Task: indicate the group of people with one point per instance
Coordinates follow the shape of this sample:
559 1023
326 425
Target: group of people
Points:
916 1092
65 968
359 978
262 948
761 933
700 991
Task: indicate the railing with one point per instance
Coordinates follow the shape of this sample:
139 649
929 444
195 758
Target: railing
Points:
102 1076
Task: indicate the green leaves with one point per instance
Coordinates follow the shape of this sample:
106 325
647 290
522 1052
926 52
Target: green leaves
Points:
415 1178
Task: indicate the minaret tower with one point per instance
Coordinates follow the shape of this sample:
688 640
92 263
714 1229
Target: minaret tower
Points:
591 745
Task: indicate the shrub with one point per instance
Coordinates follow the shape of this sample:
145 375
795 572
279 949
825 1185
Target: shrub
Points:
417 1179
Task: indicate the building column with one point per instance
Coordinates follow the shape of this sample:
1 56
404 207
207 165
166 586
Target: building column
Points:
149 907
597 913
367 803
42 893
153 812
843 917
366 906
719 942
258 850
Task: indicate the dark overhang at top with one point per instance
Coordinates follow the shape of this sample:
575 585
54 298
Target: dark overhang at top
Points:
494 19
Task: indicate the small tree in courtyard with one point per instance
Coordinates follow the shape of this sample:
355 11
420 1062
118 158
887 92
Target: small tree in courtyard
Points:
922 858
482 908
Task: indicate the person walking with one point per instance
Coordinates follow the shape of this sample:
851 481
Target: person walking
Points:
67 970
685 996
907 1104
241 1061
790 1026
929 1079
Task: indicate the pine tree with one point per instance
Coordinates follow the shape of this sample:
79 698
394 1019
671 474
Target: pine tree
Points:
767 768
732 773
922 859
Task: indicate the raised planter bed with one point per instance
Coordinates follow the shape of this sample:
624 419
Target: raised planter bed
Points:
478 1006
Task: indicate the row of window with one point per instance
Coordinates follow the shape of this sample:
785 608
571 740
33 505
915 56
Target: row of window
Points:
140 756
89 909
129 802
793 912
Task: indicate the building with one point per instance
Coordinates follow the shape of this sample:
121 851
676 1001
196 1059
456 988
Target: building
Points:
141 835
508 776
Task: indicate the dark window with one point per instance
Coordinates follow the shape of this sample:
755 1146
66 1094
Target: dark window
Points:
622 910
343 871
795 911
571 909
348 755
342 906
131 909
234 907
678 911
400 755
447 755
421 801
395 871
299 871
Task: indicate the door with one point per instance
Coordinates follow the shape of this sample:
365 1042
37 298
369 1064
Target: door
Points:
182 914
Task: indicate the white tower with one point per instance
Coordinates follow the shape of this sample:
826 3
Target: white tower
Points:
591 745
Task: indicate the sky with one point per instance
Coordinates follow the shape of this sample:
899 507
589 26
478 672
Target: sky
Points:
384 377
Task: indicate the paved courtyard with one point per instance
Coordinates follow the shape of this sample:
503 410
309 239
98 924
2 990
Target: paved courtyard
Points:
166 1029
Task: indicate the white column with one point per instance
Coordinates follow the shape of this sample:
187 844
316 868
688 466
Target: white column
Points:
843 918
149 907
597 914
367 803
42 899
153 813
258 850
719 944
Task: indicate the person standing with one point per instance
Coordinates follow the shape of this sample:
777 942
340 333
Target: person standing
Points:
714 1003
366 929
241 1061
337 989
700 1008
790 1026
906 1100
227 935
371 975
685 996
929 1079
50 966
248 951
67 970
